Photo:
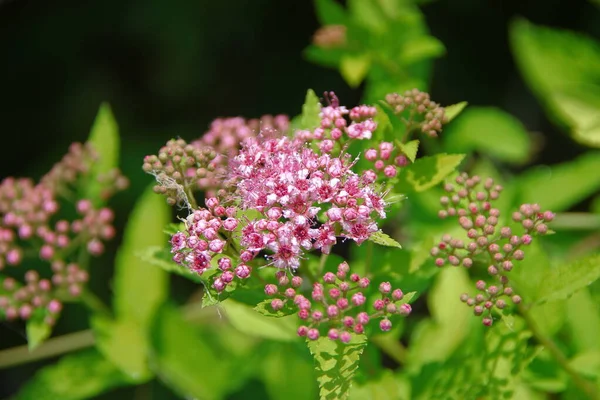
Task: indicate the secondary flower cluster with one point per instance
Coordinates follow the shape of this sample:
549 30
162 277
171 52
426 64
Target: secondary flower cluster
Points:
427 114
339 305
30 229
498 247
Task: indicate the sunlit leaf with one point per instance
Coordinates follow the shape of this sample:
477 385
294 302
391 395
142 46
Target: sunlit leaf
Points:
426 172
354 68
409 149
264 308
75 376
421 48
583 320
384 387
384 239
247 320
491 131
454 110
38 330
309 119
336 363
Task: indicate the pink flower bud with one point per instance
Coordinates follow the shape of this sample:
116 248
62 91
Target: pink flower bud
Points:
276 304
302 331
385 287
333 334
242 271
358 299
230 224
385 325
345 337
378 304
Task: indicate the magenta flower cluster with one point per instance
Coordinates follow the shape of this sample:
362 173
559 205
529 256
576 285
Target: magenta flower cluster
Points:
31 229
338 305
497 247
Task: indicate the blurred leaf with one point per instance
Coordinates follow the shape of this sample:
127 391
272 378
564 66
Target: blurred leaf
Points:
138 288
564 280
454 110
104 137
287 373
75 376
161 257
409 149
185 361
354 68
368 15
426 172
583 319
264 308
247 320
587 363
383 239
330 12
124 344
384 387
309 119
37 329
561 67
559 187
490 131
336 363
327 57
420 253
420 48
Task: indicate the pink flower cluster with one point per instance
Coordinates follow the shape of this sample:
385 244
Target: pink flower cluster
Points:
31 227
339 304
471 201
386 159
421 111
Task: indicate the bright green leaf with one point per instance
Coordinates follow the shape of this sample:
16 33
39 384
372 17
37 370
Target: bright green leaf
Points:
384 387
124 344
75 376
138 287
330 12
384 239
454 110
426 172
264 308
336 363
409 149
161 257
37 330
421 48
587 363
247 320
104 138
564 280
561 186
354 68
583 320
309 119
491 131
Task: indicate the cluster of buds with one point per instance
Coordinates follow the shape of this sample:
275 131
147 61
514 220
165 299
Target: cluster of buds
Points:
497 247
386 159
30 229
422 111
330 36
339 305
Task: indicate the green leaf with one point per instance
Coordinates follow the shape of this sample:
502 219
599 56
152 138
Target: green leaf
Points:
421 48
288 373
104 138
587 363
248 321
185 360
384 239
409 149
124 344
162 258
583 320
336 363
561 67
454 110
426 172
75 376
264 308
138 288
354 68
561 186
37 330
564 280
329 12
491 131
386 386
309 119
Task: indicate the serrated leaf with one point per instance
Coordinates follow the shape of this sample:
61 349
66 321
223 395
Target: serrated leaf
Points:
329 12
336 364
409 149
383 239
37 330
561 186
183 359
250 322
124 344
104 138
264 308
426 172
138 288
354 68
454 110
564 280
309 119
491 131
77 376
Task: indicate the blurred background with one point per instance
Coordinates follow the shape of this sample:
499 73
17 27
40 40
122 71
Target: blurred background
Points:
169 68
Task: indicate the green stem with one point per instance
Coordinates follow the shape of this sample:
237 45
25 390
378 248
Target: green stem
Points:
578 380
322 262
94 304
390 346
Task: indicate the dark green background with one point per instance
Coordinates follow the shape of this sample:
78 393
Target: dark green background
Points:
169 67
